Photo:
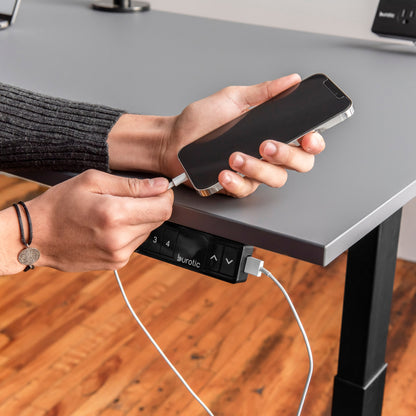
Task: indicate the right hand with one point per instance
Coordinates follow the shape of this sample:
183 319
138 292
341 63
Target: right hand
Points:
95 220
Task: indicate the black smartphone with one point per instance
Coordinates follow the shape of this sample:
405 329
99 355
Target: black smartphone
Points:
314 104
7 20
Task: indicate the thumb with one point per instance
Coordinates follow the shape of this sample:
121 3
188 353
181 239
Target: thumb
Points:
107 184
256 94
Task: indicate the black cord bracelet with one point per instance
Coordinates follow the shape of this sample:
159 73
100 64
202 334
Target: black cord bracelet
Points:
29 255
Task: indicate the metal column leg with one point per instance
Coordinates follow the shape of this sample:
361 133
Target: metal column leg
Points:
359 384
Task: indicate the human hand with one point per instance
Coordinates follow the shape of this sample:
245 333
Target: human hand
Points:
209 113
95 220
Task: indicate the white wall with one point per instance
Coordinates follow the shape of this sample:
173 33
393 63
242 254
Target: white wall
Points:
351 18
346 18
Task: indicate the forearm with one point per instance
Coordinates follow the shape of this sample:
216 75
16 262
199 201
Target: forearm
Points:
136 142
37 131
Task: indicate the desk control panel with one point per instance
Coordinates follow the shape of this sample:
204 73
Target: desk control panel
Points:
198 251
396 18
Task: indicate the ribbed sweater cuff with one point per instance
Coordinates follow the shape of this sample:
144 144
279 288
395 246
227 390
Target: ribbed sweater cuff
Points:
49 133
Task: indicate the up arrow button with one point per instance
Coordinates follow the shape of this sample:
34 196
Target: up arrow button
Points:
215 254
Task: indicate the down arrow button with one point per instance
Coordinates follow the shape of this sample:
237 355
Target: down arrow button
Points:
229 261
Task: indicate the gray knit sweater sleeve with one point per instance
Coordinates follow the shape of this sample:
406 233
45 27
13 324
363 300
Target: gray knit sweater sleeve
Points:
37 131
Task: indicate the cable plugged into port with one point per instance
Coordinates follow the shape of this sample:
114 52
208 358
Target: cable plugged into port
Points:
178 180
214 256
253 266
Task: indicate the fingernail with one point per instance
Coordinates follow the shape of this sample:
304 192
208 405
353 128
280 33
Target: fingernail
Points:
317 140
226 178
238 161
295 75
158 182
270 149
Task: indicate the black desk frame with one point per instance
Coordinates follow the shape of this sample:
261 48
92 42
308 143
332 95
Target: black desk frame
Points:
359 384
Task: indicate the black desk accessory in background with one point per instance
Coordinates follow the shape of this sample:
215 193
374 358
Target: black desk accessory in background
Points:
121 6
396 18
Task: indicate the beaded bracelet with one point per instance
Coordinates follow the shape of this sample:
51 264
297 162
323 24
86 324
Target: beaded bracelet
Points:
29 255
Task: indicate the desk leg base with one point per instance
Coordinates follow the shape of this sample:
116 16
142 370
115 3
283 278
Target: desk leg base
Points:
352 400
121 6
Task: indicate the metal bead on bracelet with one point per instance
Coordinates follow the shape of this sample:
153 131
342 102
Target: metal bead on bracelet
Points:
29 255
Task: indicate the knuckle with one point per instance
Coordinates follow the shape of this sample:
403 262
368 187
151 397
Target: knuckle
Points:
166 212
230 90
89 176
308 165
233 92
119 258
167 207
135 186
284 154
107 215
112 244
243 194
246 188
278 181
268 90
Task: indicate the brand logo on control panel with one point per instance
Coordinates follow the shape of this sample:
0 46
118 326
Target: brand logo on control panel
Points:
189 262
388 15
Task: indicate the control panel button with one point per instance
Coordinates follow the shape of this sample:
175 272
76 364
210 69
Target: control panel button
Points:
190 250
168 242
229 261
153 242
214 257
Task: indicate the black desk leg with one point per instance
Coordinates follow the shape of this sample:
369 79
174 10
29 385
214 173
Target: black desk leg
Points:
359 384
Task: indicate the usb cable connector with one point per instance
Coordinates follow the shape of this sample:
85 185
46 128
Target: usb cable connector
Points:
253 266
178 180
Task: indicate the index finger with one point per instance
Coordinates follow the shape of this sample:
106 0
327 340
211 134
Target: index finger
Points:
121 211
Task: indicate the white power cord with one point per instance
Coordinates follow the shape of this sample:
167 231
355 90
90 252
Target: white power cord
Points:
178 180
255 267
158 348
305 337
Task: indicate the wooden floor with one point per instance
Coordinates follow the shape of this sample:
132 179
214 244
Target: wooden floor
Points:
68 345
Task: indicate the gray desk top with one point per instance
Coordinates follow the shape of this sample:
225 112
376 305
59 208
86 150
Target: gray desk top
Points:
157 63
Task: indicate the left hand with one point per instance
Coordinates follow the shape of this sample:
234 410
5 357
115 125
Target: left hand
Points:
209 113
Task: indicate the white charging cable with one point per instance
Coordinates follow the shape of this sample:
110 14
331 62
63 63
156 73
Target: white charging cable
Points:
158 348
176 181
254 267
